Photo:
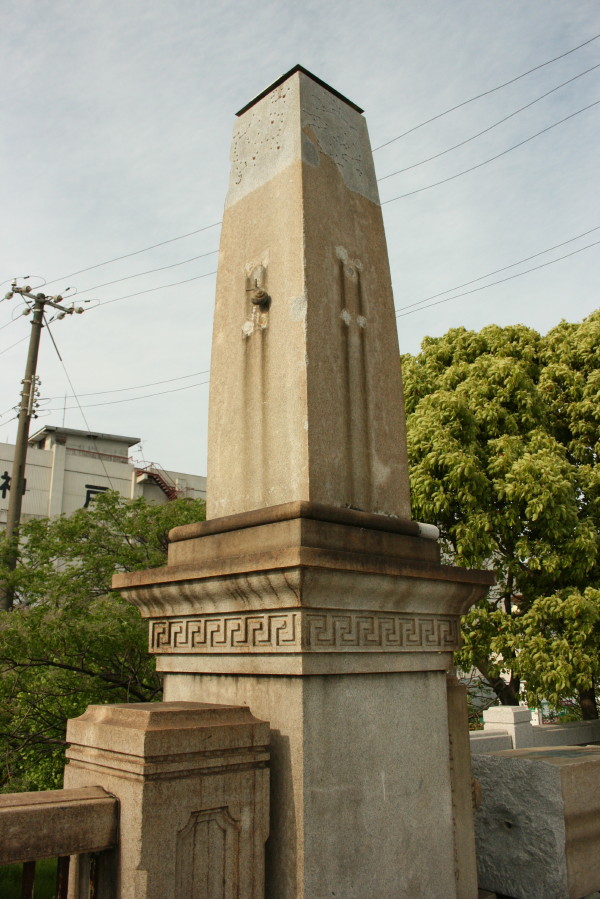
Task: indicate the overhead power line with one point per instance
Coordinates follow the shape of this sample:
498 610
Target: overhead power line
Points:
489 128
485 93
79 406
135 253
90 433
498 270
150 271
479 165
379 147
128 400
500 281
16 343
193 374
153 289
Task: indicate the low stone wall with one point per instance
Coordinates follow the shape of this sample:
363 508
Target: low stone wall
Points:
482 742
510 727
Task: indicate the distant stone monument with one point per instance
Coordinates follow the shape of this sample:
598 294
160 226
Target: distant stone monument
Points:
309 594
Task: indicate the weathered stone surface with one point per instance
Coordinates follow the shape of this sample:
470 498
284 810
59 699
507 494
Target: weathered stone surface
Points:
56 822
308 595
494 741
306 392
462 791
360 781
192 783
538 827
328 591
515 724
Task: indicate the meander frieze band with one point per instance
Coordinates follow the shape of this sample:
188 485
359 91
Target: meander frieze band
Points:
302 630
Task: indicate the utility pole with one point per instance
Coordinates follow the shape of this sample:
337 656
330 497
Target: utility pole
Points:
36 304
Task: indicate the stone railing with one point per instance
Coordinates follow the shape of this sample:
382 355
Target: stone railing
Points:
59 824
511 727
162 800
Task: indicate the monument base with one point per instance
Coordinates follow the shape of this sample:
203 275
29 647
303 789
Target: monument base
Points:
360 781
338 627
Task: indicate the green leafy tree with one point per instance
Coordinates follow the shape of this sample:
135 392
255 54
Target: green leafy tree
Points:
70 641
504 440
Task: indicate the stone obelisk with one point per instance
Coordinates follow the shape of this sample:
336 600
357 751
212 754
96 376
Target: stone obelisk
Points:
309 594
306 392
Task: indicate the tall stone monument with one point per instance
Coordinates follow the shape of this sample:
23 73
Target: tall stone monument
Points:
309 594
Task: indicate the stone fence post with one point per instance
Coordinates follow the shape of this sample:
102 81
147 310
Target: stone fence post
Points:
192 783
513 720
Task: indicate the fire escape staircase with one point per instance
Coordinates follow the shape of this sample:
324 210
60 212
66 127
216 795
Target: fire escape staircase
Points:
159 476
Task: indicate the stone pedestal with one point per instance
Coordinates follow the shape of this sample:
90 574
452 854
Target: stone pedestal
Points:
192 784
338 627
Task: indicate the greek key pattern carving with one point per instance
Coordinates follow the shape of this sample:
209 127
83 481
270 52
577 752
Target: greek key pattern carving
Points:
303 630
275 631
366 631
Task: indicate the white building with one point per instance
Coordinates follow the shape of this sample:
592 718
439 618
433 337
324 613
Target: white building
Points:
67 468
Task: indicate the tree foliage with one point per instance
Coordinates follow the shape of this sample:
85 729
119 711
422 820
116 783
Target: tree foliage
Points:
70 641
504 441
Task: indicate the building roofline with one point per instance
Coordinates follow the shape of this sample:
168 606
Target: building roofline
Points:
285 77
74 432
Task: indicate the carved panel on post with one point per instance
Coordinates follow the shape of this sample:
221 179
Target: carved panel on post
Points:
208 850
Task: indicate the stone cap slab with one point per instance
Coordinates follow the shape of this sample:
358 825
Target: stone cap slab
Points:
507 714
305 559
149 730
557 756
302 535
283 78
302 509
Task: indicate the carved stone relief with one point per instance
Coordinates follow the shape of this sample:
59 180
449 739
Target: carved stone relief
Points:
295 631
207 856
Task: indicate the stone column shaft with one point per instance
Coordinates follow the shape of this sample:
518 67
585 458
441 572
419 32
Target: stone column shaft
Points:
306 392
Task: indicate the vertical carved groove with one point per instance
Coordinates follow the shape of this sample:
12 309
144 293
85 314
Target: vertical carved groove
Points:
255 390
362 311
345 335
263 417
247 407
356 390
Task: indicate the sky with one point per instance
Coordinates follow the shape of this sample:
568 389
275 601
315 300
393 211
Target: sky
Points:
115 129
